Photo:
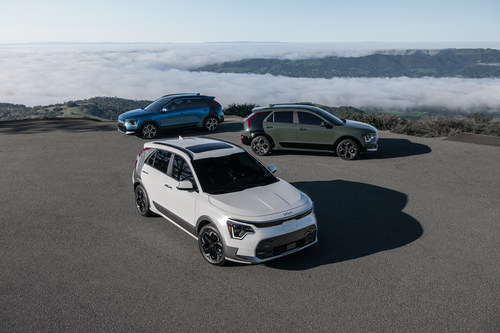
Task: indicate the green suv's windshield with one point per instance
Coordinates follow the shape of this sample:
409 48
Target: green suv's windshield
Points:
231 173
330 117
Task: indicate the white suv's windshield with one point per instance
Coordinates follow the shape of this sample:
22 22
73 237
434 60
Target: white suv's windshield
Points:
231 173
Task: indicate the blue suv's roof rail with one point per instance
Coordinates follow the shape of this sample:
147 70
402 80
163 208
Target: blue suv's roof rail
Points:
179 94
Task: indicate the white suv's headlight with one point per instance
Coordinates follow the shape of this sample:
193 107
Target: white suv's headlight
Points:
239 231
131 122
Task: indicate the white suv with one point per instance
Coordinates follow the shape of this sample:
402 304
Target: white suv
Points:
222 196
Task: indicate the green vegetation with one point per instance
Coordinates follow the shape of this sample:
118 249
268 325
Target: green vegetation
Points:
99 108
420 122
466 63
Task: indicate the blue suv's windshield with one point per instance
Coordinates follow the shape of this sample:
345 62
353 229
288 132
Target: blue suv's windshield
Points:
157 105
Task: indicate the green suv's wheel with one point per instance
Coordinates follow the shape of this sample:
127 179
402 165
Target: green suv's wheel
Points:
142 201
149 131
261 145
211 124
211 245
348 149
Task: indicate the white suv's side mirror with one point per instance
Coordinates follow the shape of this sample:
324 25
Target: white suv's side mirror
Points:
185 185
272 168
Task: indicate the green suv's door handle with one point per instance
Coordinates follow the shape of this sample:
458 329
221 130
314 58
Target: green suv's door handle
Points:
303 129
269 126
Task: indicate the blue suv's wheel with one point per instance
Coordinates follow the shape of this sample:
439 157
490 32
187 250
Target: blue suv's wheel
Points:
149 131
211 124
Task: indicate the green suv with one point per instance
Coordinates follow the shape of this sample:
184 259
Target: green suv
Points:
305 127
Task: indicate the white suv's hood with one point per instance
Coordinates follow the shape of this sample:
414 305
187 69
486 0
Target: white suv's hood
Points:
260 201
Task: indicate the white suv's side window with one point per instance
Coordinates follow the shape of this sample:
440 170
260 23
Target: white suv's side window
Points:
160 160
181 170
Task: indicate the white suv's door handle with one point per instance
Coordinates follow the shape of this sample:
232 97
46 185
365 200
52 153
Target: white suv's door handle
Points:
166 185
145 172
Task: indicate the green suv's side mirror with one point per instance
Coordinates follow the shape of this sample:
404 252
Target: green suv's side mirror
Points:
326 125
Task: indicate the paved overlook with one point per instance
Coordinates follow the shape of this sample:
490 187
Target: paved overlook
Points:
408 241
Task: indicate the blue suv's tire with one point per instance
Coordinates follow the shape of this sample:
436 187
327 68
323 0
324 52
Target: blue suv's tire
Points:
211 124
149 131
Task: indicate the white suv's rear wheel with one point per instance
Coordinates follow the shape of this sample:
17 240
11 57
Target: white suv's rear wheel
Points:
142 201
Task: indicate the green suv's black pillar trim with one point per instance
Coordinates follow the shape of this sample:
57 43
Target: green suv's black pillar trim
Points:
312 146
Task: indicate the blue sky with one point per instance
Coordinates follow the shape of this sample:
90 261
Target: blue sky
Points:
165 21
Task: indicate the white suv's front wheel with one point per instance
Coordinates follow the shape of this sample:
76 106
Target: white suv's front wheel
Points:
211 245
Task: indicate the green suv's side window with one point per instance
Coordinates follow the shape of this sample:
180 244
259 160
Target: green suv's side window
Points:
283 117
307 118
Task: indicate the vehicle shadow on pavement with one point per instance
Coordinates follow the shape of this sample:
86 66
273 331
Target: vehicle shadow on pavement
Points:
197 131
392 148
34 126
354 220
388 148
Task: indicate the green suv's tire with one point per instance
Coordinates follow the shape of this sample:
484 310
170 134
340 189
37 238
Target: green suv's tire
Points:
348 149
149 131
211 124
211 245
261 145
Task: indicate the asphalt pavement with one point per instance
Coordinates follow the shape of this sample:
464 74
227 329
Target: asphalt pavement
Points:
409 241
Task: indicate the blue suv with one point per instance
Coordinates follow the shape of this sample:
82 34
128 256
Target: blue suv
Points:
172 112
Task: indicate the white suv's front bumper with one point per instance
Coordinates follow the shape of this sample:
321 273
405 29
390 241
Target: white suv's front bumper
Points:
271 242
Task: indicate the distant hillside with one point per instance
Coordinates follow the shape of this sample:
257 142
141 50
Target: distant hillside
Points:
100 108
467 63
419 121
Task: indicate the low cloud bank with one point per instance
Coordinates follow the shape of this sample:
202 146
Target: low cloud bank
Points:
41 75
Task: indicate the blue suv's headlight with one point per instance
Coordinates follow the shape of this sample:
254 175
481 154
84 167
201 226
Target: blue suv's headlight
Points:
132 122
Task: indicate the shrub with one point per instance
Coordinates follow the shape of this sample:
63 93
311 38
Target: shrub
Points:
241 110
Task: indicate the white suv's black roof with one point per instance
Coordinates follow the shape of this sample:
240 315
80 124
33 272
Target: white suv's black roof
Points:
199 148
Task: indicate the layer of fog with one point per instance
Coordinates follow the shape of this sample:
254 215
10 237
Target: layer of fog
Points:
49 74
